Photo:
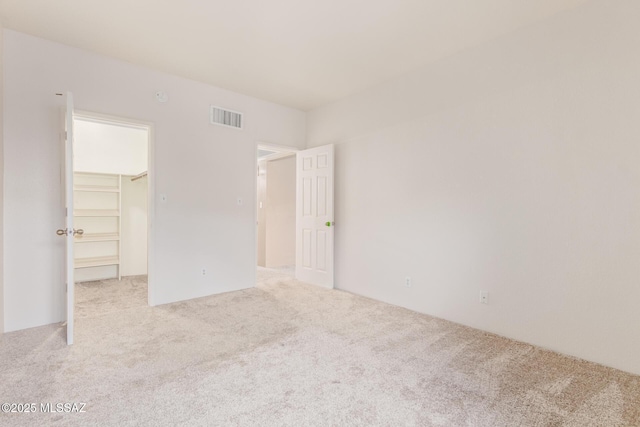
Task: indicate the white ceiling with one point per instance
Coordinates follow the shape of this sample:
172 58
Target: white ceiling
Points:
300 53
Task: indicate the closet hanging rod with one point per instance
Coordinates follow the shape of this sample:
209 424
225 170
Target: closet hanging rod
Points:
142 175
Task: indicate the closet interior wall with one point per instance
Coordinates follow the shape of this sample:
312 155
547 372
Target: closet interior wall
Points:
276 212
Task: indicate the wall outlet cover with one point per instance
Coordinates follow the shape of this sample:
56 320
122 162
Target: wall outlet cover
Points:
484 297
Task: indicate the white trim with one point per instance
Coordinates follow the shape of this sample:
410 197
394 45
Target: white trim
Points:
279 151
275 147
151 216
108 119
276 156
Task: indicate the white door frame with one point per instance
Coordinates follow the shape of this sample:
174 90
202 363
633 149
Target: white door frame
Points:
69 231
151 184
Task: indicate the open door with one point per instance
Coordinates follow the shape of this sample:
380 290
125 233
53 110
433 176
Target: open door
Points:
314 216
68 232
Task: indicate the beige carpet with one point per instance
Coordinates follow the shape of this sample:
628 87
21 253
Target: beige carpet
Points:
290 354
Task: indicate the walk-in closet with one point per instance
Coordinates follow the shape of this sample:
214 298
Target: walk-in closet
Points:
110 185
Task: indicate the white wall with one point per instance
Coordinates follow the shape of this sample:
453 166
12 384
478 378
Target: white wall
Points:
281 213
133 258
106 148
511 168
202 169
1 184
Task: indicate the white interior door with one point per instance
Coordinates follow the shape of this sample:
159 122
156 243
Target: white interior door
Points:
314 216
69 231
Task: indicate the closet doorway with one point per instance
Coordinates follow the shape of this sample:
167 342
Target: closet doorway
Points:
111 207
276 210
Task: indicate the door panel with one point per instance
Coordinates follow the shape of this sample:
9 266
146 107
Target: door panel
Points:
306 247
68 191
314 216
321 251
322 196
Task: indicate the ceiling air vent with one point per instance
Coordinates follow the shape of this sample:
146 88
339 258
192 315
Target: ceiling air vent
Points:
220 116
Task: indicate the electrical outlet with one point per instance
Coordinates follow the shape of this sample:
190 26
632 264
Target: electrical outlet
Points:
407 282
204 272
239 201
484 297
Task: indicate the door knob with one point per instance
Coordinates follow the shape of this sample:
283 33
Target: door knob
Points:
61 232
329 223
79 231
